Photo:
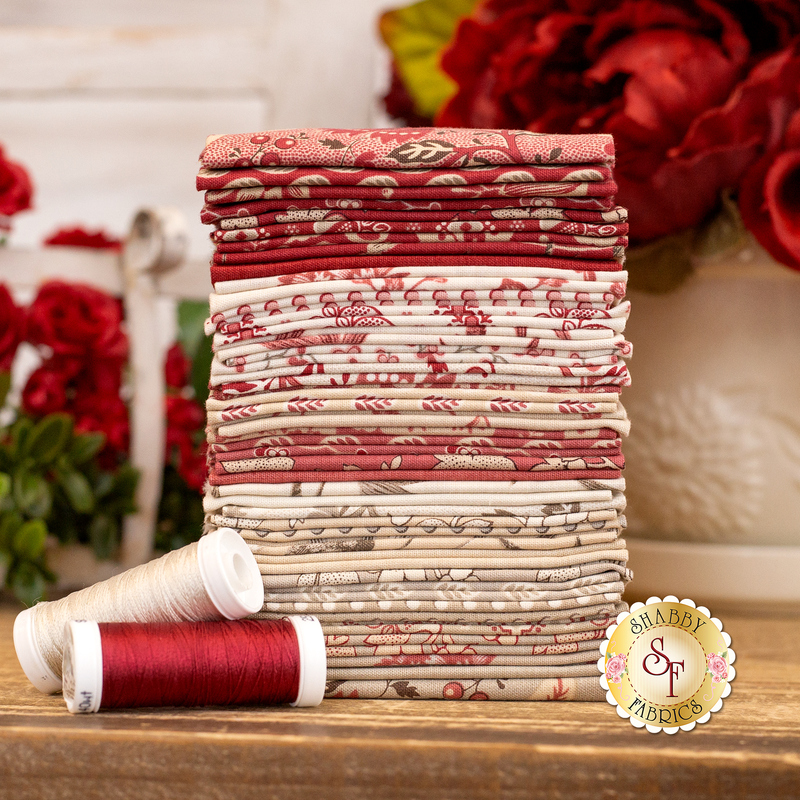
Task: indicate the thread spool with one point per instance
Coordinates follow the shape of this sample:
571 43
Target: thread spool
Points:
215 578
127 665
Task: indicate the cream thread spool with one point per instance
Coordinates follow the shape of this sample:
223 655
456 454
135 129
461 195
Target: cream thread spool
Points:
215 578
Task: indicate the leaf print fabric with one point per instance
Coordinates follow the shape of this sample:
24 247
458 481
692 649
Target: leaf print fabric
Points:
414 418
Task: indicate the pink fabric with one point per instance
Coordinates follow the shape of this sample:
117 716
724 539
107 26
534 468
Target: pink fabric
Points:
403 148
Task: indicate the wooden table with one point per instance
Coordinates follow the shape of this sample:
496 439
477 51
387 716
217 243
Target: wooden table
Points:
352 749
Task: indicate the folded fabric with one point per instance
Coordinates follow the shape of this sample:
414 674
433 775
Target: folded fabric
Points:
392 399
388 538
453 225
403 148
343 549
573 257
571 650
225 470
360 177
307 404
455 590
552 527
249 274
518 442
560 688
477 617
396 490
269 212
576 628
559 517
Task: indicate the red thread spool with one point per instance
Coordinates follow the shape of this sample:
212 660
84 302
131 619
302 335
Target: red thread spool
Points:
245 662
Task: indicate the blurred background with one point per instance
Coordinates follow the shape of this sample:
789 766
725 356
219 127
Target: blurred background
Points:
108 104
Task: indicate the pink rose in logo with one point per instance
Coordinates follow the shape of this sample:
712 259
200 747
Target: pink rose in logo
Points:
718 667
616 667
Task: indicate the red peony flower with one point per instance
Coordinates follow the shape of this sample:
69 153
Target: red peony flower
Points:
15 187
46 390
80 237
646 71
177 367
763 114
184 415
12 328
185 419
78 321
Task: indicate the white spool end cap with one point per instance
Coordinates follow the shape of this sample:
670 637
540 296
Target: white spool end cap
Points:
230 574
313 661
82 667
30 656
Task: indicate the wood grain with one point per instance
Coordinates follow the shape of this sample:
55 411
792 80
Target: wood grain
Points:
404 749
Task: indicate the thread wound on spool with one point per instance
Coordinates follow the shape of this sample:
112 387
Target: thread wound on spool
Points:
215 578
126 665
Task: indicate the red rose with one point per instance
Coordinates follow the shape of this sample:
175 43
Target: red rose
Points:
12 328
45 391
176 367
184 414
79 237
192 466
642 70
15 187
76 320
185 419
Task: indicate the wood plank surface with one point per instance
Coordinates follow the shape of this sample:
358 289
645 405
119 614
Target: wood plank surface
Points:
352 749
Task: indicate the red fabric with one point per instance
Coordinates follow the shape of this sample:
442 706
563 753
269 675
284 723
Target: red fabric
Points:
577 449
359 178
522 208
465 224
247 267
592 195
371 240
299 476
403 148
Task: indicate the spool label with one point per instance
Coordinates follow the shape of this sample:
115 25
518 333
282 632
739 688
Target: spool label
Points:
666 665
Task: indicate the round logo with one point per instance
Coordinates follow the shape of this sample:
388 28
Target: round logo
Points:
666 665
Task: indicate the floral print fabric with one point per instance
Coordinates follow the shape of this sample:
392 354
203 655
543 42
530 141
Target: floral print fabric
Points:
415 419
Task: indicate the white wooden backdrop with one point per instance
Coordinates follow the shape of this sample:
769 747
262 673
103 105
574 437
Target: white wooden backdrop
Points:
108 103
108 106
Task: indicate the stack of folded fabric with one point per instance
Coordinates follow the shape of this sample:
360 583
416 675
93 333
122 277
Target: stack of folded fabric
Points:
414 417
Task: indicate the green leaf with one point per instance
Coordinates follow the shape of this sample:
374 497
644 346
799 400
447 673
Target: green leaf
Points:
49 437
28 583
32 494
5 563
191 321
19 435
661 266
103 485
103 536
201 369
78 491
417 35
5 484
85 446
5 385
29 539
9 523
